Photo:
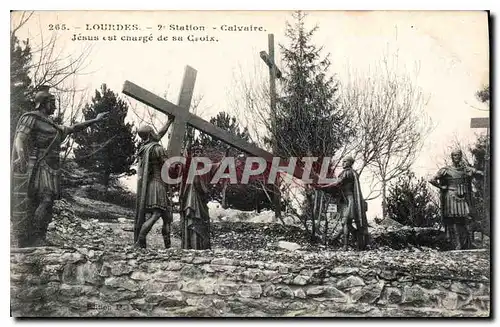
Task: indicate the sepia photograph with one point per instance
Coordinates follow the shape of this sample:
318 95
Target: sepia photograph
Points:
228 164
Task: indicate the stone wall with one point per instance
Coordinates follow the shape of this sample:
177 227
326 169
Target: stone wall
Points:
88 282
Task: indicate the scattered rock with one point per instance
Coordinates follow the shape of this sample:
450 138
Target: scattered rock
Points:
368 294
225 289
350 282
120 268
123 282
415 295
392 295
450 301
315 290
283 292
299 293
290 246
140 275
250 291
300 280
460 288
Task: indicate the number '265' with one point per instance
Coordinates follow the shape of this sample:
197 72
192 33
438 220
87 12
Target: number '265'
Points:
57 27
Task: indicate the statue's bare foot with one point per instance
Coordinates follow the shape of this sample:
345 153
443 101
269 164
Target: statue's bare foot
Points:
140 245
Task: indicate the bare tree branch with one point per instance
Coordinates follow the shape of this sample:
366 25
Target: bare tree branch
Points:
387 108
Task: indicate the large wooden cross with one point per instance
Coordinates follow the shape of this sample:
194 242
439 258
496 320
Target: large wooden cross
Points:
183 117
274 73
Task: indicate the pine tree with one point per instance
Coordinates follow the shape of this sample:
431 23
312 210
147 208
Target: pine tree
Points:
21 88
228 123
309 118
411 202
107 147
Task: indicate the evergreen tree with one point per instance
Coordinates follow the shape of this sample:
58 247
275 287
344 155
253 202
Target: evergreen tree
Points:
224 121
309 120
21 88
108 147
411 203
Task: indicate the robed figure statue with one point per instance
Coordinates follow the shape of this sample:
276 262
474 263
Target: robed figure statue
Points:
194 197
352 206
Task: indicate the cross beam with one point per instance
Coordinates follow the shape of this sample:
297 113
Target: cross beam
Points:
481 122
179 125
270 63
183 117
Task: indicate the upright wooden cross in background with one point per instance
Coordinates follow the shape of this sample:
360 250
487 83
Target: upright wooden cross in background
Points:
274 73
484 122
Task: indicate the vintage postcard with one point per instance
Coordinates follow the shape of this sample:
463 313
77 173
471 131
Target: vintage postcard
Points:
250 164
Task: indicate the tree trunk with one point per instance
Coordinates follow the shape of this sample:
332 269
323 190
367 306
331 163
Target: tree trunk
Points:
277 199
223 196
384 199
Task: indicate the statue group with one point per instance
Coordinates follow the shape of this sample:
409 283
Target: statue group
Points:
36 174
36 185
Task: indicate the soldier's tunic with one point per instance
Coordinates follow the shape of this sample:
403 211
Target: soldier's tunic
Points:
457 197
45 138
41 178
152 191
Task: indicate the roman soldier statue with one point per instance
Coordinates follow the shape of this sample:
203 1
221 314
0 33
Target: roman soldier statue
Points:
36 168
457 209
153 200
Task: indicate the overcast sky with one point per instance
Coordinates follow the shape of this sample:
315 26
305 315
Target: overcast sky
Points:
451 49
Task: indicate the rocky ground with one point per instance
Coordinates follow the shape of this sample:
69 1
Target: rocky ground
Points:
80 221
398 255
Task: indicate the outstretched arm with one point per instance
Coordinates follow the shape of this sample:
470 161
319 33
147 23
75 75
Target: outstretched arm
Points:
340 181
81 126
164 129
436 180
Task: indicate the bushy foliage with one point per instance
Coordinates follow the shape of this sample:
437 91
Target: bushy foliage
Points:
412 203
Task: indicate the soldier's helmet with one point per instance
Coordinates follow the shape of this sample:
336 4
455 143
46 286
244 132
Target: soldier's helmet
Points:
43 95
